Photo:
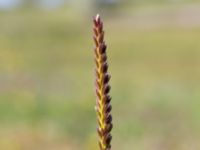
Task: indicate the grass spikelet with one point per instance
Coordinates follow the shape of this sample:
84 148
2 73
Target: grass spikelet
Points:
103 106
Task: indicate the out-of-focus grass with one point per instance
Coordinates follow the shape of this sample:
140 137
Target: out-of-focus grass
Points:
46 92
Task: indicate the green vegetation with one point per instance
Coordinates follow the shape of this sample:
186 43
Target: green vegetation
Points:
47 80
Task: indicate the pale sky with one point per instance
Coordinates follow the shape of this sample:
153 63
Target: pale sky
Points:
8 3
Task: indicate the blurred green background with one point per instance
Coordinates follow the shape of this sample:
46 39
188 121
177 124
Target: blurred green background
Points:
47 74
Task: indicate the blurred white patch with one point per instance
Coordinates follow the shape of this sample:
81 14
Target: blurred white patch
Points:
7 4
50 4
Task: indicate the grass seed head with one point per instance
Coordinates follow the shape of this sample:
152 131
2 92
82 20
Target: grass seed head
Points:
103 106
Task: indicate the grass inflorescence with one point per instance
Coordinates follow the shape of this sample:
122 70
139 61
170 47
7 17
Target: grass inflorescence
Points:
103 106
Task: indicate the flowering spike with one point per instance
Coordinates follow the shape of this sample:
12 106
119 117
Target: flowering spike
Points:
103 106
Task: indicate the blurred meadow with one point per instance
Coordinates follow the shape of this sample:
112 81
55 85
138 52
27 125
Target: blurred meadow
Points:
47 93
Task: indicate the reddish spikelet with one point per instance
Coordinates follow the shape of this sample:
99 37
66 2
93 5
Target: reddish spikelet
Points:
103 106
